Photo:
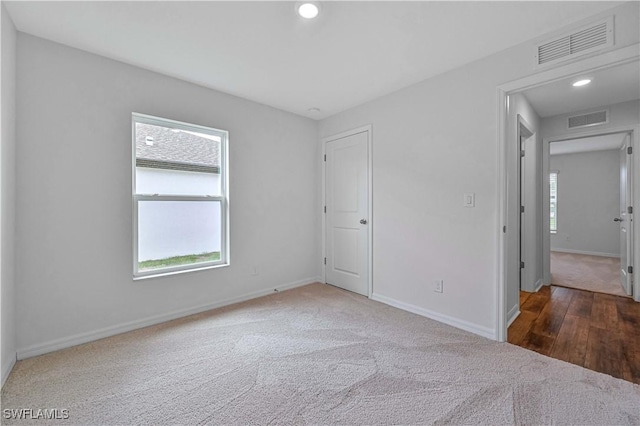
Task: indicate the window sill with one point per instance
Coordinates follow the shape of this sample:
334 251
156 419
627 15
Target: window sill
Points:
554 232
181 271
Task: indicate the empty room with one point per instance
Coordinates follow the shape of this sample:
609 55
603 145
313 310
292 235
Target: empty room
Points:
325 212
585 251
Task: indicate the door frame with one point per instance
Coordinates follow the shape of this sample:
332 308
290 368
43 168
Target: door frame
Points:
521 191
634 130
363 129
605 60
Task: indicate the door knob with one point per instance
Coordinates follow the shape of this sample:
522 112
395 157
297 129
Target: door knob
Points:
617 219
363 221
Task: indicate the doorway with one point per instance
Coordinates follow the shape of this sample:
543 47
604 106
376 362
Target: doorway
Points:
509 243
574 325
590 194
530 279
347 224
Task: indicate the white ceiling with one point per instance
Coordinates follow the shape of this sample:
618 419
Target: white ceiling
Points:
352 53
608 86
595 143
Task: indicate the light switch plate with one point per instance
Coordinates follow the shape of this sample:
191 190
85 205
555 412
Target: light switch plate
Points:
469 199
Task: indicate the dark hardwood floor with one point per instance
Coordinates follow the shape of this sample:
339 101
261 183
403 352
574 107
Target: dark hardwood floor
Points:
598 331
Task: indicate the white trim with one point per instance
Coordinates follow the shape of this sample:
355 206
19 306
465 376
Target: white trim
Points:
323 202
165 272
538 286
223 198
520 183
501 225
605 60
6 369
513 314
590 133
589 253
170 270
80 338
445 319
158 197
368 129
634 130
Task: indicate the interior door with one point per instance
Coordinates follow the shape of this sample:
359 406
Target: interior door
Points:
625 219
347 222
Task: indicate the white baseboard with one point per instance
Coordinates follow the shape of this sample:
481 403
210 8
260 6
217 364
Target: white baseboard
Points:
6 369
489 333
513 314
90 336
538 285
590 253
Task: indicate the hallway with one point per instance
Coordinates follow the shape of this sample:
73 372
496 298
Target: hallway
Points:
598 331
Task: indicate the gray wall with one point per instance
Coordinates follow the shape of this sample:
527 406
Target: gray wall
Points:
623 114
588 200
7 191
433 142
74 233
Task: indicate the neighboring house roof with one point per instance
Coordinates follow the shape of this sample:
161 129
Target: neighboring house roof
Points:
176 150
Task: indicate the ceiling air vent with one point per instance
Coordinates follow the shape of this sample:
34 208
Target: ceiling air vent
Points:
590 119
587 39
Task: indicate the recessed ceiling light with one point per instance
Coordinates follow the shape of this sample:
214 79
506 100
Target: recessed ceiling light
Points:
314 110
308 10
581 82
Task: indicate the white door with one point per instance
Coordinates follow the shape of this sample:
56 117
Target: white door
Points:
529 231
347 221
625 219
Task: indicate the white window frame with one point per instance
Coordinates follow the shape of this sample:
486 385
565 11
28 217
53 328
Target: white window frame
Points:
554 172
223 198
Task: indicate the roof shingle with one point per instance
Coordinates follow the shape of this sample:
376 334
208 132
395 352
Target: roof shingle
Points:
176 147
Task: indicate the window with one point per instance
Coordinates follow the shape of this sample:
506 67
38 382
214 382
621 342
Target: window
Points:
180 204
553 201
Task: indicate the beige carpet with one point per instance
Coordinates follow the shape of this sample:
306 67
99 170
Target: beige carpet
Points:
314 355
592 273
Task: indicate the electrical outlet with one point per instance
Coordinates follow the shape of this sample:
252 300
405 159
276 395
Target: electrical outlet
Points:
438 286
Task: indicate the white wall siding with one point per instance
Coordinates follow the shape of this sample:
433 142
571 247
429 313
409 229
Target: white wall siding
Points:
173 228
167 229
176 182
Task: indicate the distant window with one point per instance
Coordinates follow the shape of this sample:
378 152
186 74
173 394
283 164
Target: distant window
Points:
553 202
179 196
